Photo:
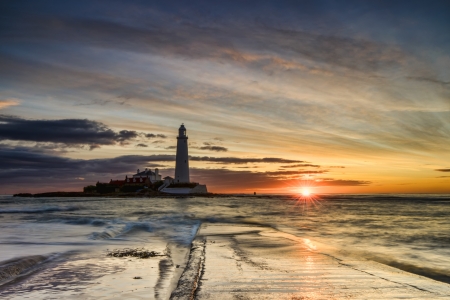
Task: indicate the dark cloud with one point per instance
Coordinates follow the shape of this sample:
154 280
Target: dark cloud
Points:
141 145
66 131
158 142
230 180
301 165
443 170
341 182
152 135
94 146
234 43
214 148
280 173
35 170
24 158
236 160
171 147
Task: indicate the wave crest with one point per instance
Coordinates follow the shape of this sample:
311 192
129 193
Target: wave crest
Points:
12 268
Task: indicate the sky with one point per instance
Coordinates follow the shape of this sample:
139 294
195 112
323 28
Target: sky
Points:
338 96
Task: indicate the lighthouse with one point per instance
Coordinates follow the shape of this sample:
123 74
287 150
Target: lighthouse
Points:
182 160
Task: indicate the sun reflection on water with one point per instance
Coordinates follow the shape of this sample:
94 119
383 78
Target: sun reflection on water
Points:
306 198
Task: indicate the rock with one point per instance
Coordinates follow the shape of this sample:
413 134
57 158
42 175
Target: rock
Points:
139 253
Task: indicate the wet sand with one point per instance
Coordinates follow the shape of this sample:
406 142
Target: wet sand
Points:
225 261
94 275
253 262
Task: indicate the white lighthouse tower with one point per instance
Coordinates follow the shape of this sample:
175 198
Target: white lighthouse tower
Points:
182 160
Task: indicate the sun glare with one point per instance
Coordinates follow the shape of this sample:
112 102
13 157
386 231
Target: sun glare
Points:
306 192
305 197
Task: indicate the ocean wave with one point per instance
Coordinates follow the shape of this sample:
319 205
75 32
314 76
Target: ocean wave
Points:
73 220
12 268
38 210
442 275
119 230
86 221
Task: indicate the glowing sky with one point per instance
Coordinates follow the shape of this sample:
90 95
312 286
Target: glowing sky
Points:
347 96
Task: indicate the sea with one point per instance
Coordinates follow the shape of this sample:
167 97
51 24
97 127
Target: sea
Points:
39 235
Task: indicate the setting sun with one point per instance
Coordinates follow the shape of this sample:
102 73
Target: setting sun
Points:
306 192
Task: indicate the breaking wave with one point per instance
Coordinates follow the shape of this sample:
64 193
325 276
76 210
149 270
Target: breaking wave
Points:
115 231
12 268
442 275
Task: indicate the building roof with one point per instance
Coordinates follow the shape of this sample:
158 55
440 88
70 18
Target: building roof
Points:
136 180
144 173
117 182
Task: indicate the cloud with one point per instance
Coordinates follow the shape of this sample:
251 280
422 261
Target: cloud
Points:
300 165
102 102
171 147
303 172
7 103
31 169
214 148
230 180
152 135
19 166
237 160
443 170
429 80
22 158
340 182
284 49
72 132
141 145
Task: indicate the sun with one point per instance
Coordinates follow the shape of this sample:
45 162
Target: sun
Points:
305 198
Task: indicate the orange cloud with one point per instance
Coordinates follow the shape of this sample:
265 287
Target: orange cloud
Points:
8 102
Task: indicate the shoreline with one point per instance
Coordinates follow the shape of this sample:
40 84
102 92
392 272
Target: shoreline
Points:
143 194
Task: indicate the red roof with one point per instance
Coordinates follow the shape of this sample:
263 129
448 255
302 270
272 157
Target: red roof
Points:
117 182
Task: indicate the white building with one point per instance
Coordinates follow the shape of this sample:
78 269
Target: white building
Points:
182 158
152 176
181 184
